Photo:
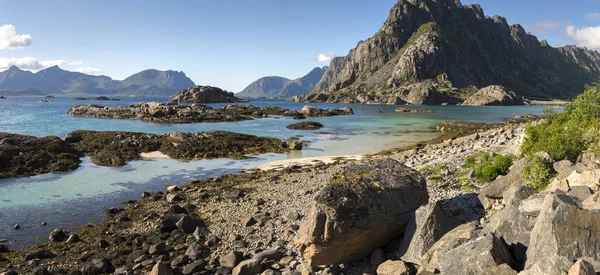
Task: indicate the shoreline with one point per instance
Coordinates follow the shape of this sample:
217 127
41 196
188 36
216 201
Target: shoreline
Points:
302 176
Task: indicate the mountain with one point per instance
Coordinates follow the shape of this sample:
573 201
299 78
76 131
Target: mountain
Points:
26 92
439 51
281 87
55 80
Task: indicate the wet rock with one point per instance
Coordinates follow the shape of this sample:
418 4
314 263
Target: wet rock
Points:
73 238
377 257
4 249
294 143
351 217
426 227
73 137
58 235
40 254
305 125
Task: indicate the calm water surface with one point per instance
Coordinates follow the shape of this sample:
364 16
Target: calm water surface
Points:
79 197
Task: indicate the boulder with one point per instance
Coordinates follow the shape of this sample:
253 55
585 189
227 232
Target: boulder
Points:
187 224
563 168
503 269
194 267
474 256
391 267
589 178
427 226
294 143
460 234
493 96
73 137
363 208
563 233
58 235
496 188
305 125
512 225
580 193
231 260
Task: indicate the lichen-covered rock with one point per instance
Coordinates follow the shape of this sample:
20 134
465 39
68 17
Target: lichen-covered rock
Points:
493 96
363 208
205 94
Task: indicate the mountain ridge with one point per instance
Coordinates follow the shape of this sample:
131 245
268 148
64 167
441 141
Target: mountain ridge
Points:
440 51
281 87
54 80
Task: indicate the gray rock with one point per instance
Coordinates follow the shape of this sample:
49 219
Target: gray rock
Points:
377 257
563 233
592 203
458 235
247 267
204 94
353 208
475 256
564 168
496 188
173 198
391 267
158 248
194 267
274 255
98 266
73 238
580 193
503 269
194 250
294 143
426 227
73 137
188 224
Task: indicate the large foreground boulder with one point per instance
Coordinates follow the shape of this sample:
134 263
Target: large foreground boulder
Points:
363 208
493 96
563 234
475 256
426 227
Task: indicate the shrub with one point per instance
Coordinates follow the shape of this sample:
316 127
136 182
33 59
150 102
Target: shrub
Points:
488 168
565 135
537 173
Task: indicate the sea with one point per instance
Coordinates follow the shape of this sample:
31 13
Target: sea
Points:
72 199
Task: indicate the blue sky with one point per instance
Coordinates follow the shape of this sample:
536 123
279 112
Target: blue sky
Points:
229 43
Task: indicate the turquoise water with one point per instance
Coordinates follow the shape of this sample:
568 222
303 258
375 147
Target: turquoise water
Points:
80 196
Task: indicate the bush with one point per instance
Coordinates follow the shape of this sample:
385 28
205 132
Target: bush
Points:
565 135
488 168
537 173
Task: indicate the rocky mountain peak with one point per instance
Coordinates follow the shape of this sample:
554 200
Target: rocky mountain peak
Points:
454 49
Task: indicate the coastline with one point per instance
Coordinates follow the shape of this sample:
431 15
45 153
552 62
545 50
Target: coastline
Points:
299 177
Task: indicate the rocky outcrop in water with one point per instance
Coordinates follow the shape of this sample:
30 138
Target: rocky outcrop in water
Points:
26 155
306 125
173 113
205 94
437 51
493 96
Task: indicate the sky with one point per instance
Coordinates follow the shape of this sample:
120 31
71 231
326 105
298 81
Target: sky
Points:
230 43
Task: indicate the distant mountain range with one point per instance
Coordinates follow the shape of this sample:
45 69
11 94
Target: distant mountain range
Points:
55 80
440 51
281 87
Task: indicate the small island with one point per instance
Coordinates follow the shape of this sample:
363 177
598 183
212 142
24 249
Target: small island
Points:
173 113
205 94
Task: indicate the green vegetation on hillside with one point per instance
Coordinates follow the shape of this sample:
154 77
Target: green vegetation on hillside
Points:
566 134
537 173
487 167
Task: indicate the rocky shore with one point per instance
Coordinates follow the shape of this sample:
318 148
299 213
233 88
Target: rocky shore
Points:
173 113
26 156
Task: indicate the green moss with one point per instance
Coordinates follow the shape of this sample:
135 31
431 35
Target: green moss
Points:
433 174
427 27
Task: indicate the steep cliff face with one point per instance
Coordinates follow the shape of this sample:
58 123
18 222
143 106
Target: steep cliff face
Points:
452 50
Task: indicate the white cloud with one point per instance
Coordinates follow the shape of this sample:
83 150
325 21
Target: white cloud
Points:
587 37
546 25
595 15
108 52
325 56
33 64
88 70
9 39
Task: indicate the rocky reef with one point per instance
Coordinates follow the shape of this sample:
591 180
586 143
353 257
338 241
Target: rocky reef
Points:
26 155
173 113
306 125
438 51
205 94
